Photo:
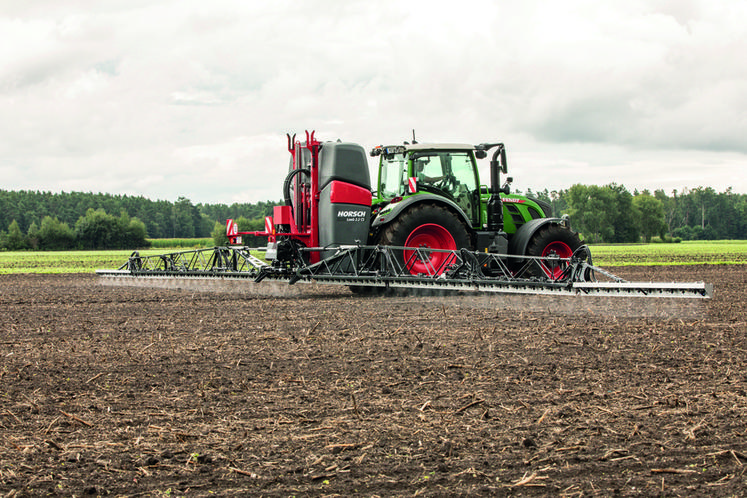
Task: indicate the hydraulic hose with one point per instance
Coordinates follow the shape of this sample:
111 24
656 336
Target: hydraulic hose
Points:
287 185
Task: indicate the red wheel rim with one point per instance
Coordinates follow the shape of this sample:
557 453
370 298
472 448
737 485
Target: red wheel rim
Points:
429 236
560 249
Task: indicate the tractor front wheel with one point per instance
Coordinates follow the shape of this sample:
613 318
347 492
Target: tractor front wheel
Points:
426 226
552 240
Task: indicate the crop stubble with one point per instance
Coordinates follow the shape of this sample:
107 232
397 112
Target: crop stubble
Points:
127 391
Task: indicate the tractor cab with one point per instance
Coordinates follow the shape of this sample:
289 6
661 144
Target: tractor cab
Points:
444 170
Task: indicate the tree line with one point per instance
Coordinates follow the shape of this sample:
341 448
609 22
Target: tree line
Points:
609 213
71 220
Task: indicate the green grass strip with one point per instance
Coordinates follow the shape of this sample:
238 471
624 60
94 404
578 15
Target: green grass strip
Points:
684 253
712 252
199 243
65 261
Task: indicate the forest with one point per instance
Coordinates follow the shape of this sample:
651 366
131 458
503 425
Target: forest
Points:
612 214
71 220
609 213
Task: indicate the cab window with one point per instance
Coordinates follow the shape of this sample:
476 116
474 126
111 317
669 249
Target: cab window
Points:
393 175
452 173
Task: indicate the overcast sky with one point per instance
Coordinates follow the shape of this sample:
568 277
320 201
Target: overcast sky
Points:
170 98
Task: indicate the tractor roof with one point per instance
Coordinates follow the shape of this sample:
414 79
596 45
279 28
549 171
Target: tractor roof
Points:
440 147
399 149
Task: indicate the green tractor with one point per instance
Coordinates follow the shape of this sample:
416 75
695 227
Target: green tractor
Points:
430 195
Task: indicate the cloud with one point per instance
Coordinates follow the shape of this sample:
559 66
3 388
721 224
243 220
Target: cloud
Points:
182 98
642 80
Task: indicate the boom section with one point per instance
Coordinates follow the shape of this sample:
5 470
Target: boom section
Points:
381 266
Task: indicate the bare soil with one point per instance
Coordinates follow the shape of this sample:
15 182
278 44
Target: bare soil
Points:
123 391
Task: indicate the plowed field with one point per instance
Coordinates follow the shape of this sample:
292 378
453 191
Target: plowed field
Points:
115 391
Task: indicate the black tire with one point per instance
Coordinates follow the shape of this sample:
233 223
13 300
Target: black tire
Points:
552 238
427 225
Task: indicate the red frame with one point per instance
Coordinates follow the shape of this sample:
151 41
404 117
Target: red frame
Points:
308 233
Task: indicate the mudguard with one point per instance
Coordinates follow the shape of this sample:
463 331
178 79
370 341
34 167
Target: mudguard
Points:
392 211
519 242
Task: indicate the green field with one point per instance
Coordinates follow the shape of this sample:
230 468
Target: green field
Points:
684 253
198 243
65 261
714 252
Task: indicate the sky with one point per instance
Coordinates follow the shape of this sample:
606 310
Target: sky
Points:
188 98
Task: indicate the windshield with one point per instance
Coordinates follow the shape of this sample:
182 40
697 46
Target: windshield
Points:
393 175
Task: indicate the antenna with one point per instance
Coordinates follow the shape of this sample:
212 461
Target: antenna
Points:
413 136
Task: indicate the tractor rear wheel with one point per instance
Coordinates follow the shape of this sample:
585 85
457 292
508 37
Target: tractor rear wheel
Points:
426 226
552 240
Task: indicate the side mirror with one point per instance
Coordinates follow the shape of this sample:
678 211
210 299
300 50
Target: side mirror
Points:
506 189
504 164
